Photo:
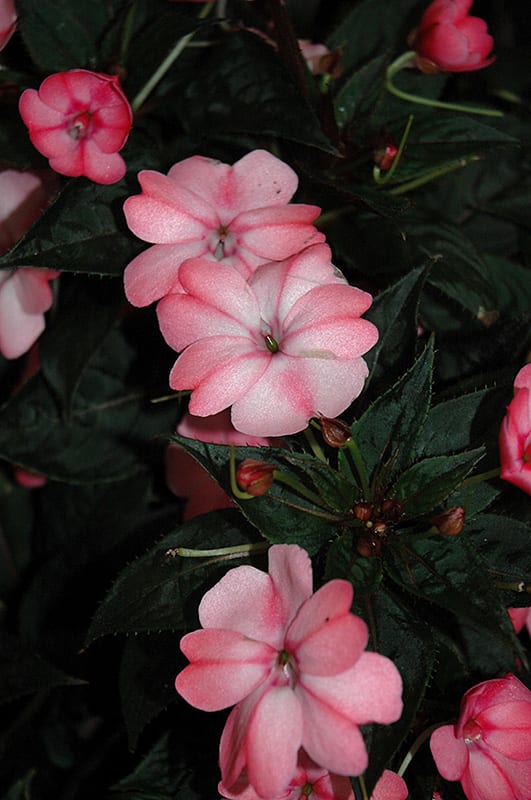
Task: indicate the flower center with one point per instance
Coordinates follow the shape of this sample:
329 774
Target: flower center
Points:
271 343
471 731
80 125
307 790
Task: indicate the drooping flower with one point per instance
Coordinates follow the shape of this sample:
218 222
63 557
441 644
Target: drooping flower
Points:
390 786
489 748
295 665
448 39
79 120
8 21
235 216
279 348
25 294
515 434
310 782
186 478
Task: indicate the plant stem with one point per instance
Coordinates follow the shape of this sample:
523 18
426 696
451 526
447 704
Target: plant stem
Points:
417 744
360 467
361 781
483 476
377 175
408 59
436 173
299 488
227 552
317 450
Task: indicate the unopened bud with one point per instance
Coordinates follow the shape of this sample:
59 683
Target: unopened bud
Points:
385 154
363 511
336 432
451 522
255 477
392 509
368 545
379 528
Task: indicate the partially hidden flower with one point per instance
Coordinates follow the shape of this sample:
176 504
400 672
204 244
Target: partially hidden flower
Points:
79 120
186 478
236 216
320 60
520 617
25 293
451 522
8 21
255 477
279 348
390 786
515 434
489 748
448 39
310 782
295 665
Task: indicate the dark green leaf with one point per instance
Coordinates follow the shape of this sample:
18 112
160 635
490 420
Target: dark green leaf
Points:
62 35
23 671
425 485
154 592
361 90
504 544
343 561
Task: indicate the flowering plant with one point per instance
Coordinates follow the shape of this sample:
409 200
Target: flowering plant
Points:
265 409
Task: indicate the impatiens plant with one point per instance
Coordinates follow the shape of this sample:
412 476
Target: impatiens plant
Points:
264 460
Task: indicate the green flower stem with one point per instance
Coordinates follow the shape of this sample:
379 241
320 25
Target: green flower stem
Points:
483 476
314 444
227 553
299 488
459 163
361 781
172 56
377 174
417 744
360 468
408 59
514 586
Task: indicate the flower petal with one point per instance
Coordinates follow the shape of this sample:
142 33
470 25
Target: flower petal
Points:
449 752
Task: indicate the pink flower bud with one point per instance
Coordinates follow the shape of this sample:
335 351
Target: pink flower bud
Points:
451 522
448 39
385 153
79 120
255 477
515 434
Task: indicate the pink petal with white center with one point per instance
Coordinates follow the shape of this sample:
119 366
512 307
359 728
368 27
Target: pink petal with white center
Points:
290 570
272 742
245 600
226 291
324 636
506 727
220 370
263 180
277 233
450 753
292 390
208 179
155 272
166 214
325 323
225 668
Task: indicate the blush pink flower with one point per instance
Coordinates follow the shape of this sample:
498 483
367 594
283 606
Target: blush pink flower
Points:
295 665
515 434
25 294
489 748
279 348
8 21
390 786
79 120
448 39
235 216
186 478
309 781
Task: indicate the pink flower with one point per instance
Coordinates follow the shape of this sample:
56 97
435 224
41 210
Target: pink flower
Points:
279 348
489 748
235 216
520 617
390 786
186 478
8 21
450 40
515 434
79 120
309 781
294 663
29 479
25 294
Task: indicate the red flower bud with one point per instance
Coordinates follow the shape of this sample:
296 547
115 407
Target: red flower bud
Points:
336 432
385 154
255 477
363 511
451 522
369 545
392 509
